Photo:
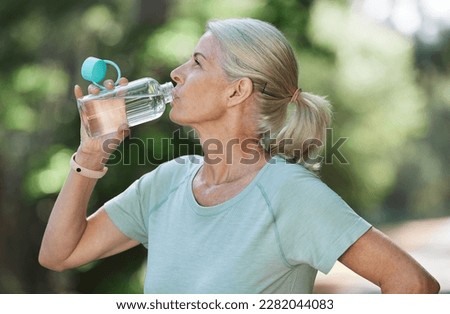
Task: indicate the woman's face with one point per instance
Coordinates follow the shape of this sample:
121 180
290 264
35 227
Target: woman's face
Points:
201 85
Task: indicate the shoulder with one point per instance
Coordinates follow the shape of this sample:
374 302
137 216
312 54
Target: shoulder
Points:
157 184
288 184
288 176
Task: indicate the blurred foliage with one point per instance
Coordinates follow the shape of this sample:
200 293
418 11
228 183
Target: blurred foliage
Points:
379 106
391 100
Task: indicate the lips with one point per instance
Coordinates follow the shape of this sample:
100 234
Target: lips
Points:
174 94
174 97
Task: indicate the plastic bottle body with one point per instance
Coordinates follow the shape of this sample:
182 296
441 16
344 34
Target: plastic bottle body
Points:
137 102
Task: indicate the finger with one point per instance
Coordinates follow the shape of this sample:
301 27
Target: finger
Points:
109 84
92 89
123 131
123 81
77 91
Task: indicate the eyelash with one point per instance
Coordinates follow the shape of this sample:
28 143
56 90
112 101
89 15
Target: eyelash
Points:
196 62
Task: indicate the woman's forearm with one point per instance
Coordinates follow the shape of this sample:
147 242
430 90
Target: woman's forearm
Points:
67 221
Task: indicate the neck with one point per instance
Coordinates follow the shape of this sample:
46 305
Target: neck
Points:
231 148
231 158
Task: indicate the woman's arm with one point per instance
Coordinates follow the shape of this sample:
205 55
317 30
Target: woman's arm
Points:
375 257
71 239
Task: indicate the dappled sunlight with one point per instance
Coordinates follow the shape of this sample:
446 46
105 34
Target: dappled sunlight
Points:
101 20
50 179
28 79
173 43
18 116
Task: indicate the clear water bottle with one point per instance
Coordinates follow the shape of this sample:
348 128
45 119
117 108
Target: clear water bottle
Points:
137 102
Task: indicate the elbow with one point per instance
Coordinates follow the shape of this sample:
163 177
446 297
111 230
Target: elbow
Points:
428 284
421 283
49 263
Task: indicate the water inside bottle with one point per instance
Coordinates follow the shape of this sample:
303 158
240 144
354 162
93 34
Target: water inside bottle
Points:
103 116
144 108
137 102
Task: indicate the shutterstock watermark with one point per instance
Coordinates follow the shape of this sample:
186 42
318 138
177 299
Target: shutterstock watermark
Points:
139 151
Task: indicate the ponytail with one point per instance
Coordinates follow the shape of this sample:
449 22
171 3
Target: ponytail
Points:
302 137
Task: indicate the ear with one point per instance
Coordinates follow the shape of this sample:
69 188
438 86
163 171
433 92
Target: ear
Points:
239 91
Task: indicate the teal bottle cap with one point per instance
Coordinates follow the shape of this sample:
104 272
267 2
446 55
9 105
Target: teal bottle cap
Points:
94 70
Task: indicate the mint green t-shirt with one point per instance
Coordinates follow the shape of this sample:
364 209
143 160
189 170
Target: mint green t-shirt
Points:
270 238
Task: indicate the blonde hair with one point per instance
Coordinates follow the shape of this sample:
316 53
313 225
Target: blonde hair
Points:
259 51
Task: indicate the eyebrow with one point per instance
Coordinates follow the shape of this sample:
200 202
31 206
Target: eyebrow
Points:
196 54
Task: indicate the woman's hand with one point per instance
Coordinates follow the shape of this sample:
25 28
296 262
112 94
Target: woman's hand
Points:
94 152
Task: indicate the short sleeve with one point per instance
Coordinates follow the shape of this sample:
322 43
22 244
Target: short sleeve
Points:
315 225
128 212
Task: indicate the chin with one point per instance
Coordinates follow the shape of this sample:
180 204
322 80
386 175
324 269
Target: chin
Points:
175 118
172 116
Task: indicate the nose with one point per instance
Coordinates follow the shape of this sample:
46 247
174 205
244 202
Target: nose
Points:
176 76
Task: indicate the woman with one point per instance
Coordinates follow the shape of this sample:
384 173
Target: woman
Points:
249 217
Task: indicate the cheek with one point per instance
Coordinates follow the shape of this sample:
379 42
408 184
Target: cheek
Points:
201 98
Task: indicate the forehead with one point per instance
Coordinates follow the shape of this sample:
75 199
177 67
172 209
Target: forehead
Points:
209 46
